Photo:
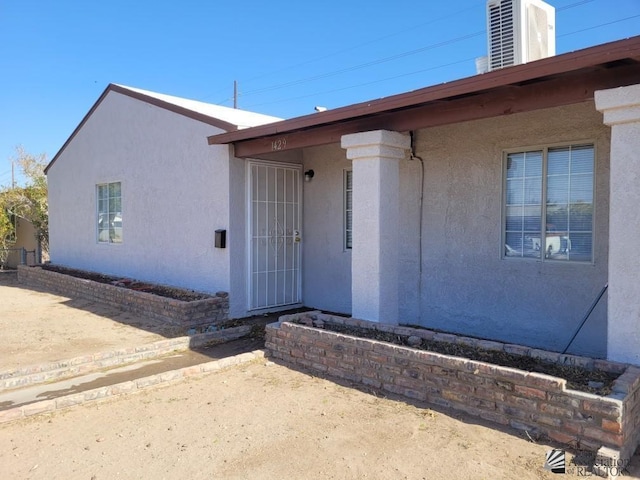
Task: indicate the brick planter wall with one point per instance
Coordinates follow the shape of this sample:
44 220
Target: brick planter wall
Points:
175 312
524 400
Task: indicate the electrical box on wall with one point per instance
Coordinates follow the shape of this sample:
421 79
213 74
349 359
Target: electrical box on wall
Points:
221 239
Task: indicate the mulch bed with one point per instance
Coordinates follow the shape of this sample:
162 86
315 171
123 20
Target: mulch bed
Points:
160 290
578 378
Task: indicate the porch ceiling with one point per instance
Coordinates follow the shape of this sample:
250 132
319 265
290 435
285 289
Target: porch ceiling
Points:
555 81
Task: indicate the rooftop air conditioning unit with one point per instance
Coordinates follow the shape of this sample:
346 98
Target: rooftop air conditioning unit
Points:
519 31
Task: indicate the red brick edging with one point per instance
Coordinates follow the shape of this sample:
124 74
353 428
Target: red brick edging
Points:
196 313
523 400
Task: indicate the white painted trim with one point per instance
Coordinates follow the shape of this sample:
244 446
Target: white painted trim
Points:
249 215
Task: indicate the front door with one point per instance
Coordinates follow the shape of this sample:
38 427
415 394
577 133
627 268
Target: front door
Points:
274 235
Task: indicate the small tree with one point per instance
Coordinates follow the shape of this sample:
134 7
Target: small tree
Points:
28 201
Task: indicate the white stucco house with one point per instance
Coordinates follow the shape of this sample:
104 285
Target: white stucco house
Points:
498 205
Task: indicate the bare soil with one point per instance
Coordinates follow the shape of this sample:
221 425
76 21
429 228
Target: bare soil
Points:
39 327
578 378
264 421
131 284
256 421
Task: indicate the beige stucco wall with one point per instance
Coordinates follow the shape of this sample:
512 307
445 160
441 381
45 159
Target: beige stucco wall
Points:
326 262
175 191
466 286
25 238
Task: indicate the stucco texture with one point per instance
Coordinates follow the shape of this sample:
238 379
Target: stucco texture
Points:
466 284
453 276
175 191
326 262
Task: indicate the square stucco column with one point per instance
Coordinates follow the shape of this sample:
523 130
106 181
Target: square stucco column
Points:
621 109
375 266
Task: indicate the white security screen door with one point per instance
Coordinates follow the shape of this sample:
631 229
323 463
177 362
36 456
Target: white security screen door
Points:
274 235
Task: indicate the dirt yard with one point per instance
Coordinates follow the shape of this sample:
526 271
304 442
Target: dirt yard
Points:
256 421
262 421
39 327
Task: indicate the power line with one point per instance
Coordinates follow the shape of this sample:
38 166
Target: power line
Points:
359 45
382 60
364 65
598 26
367 83
431 68
363 44
577 4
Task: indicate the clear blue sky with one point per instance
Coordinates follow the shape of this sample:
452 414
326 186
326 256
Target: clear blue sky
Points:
57 56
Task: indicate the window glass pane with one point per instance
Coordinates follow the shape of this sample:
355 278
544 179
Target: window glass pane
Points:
558 161
567 231
532 246
533 164
513 244
581 188
557 218
558 189
519 244
515 195
514 218
581 217
523 199
109 215
114 189
515 165
348 206
570 203
115 205
582 157
581 247
533 190
557 246
531 218
115 228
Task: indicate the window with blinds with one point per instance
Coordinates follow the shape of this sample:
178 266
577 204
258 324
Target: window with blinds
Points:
548 203
348 209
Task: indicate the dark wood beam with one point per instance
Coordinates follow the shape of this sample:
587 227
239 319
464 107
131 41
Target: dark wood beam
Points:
507 100
573 62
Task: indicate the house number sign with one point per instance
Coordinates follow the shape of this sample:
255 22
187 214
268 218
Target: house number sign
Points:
278 144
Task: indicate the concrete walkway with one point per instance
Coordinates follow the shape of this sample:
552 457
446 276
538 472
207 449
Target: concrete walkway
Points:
45 398
133 372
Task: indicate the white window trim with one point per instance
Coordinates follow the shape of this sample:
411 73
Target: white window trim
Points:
97 210
545 148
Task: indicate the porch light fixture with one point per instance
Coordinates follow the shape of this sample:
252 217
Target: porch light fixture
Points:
308 175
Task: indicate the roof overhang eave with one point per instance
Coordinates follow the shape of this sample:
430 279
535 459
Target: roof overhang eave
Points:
504 79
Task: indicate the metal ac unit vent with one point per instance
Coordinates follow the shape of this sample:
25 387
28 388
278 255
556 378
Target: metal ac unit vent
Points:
519 31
